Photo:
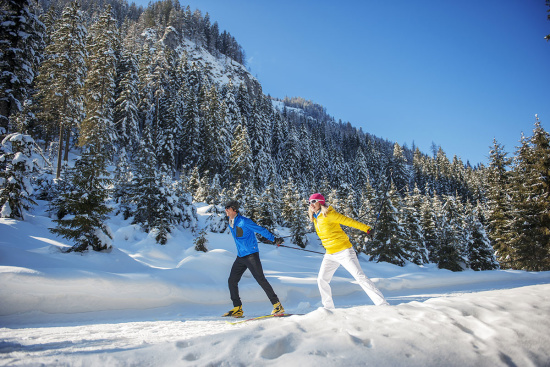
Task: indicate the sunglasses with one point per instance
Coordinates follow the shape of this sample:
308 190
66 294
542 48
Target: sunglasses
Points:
311 202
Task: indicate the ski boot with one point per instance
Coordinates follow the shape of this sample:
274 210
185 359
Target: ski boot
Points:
278 309
236 311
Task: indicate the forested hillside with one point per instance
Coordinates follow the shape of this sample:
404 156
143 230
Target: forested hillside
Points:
161 112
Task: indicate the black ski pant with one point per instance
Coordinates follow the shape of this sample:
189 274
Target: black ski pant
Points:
251 262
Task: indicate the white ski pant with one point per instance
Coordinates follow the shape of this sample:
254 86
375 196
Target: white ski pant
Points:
348 259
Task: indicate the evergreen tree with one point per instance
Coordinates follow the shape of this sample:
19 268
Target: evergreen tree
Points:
145 186
269 206
289 155
499 204
187 216
98 126
61 77
430 209
126 110
191 123
216 221
122 180
157 201
479 253
22 38
240 164
366 214
17 166
389 234
414 243
201 241
194 182
530 198
294 209
449 248
86 204
163 121
398 168
215 136
352 207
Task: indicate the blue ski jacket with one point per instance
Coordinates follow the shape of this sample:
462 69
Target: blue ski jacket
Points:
243 233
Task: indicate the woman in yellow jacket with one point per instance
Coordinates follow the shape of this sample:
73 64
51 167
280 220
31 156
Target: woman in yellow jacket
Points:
339 250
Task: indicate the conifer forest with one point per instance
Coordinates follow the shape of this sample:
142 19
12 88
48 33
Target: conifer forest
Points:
107 109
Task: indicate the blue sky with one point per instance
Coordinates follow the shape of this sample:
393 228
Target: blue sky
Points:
458 74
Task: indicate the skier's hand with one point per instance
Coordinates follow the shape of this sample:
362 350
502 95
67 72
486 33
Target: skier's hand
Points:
370 235
278 241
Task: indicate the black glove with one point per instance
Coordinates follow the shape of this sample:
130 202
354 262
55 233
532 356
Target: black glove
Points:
370 235
278 241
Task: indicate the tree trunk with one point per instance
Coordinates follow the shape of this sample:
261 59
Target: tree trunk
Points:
59 152
67 145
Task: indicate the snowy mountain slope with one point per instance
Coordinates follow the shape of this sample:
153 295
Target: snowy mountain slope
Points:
220 70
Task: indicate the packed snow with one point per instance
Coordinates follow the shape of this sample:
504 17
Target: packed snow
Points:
143 304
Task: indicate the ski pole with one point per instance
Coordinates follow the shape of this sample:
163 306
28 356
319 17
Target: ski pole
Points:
295 248
293 235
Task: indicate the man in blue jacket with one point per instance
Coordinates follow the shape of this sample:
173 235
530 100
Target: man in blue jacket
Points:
243 230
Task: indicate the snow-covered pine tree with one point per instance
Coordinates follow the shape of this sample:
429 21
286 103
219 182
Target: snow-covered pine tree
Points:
388 237
201 241
61 77
123 176
216 190
308 169
443 173
418 170
97 129
294 214
188 212
449 250
530 202
158 203
17 167
126 110
366 213
361 177
240 164
499 203
414 244
202 194
145 185
289 155
177 108
166 212
214 136
191 129
85 204
163 123
194 182
479 252
430 212
398 167
216 221
145 90
232 112
351 208
21 39
270 206
335 200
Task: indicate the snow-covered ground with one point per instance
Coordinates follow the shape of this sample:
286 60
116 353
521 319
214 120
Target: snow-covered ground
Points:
144 304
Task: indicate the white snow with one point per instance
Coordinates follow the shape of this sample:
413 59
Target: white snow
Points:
144 304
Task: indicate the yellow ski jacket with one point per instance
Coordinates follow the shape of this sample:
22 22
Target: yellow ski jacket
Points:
331 234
